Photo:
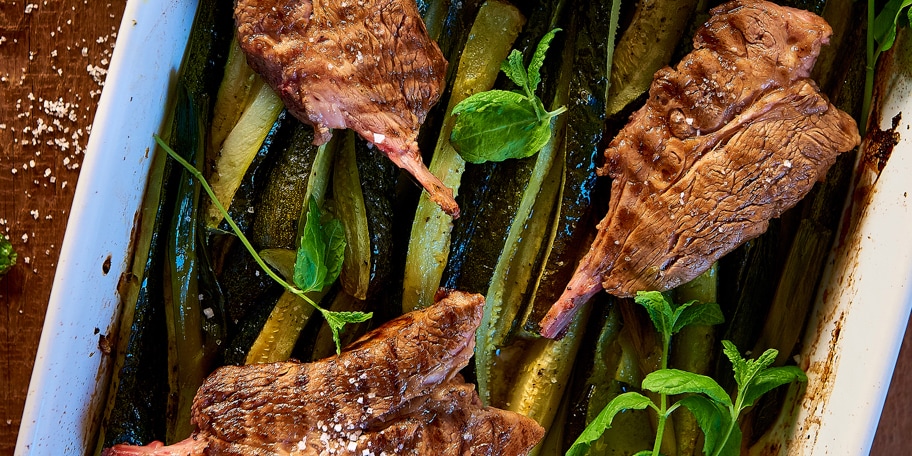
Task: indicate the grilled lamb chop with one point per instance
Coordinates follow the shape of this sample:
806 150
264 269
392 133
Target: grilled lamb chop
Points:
367 65
730 138
395 391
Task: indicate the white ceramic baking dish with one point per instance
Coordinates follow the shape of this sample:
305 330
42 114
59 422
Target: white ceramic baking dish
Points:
857 326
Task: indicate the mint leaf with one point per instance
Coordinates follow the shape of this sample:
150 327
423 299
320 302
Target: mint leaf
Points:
538 58
742 369
334 234
697 314
7 255
497 125
595 429
337 320
710 417
887 22
487 100
319 258
659 309
768 379
675 381
754 377
513 68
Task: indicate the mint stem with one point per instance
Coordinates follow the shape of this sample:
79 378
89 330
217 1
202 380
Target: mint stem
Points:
237 230
536 103
663 398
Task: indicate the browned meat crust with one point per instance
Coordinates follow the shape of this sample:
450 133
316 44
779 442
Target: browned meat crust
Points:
395 391
367 65
730 138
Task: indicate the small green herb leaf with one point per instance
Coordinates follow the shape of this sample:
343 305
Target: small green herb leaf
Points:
674 381
337 320
498 126
742 369
746 369
768 379
888 21
7 255
538 59
754 376
693 313
513 68
626 401
319 258
710 417
659 309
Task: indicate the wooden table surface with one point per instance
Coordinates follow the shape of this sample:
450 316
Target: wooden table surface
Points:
53 57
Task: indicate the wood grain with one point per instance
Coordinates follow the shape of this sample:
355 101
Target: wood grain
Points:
52 59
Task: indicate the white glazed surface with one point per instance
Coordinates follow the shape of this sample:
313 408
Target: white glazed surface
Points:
861 315
67 385
851 372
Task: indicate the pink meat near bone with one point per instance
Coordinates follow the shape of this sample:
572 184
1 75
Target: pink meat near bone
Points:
730 138
395 391
367 65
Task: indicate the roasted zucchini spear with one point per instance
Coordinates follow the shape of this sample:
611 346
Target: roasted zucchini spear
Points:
492 35
191 349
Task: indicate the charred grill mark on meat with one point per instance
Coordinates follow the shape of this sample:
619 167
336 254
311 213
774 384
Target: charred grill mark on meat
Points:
730 138
367 65
395 391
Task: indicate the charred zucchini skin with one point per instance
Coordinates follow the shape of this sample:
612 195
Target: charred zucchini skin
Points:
193 336
378 183
279 205
493 191
583 144
207 51
141 390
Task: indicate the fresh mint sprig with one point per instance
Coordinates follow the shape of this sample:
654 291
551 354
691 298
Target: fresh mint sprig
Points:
499 124
715 411
319 256
318 264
